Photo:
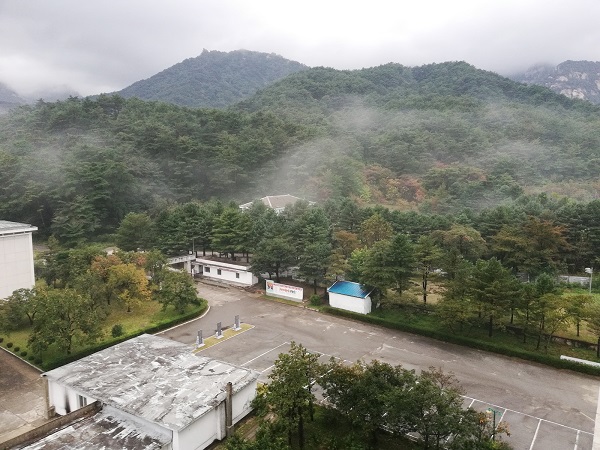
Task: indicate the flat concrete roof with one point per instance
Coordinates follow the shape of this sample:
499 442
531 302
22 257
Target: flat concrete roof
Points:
154 378
101 431
7 227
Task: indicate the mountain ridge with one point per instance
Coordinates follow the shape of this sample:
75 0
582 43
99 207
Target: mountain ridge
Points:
213 79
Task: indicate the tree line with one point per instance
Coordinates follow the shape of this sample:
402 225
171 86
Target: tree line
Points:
80 288
374 399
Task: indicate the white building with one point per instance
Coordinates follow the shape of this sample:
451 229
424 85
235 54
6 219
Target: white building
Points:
16 257
155 389
350 296
226 271
276 202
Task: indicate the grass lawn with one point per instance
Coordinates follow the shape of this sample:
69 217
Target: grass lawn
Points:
142 317
480 333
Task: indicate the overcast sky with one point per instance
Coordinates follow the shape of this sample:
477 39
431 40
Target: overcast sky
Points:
93 46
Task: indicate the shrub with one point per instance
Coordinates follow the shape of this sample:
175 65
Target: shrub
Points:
23 353
315 300
17 348
37 361
31 358
117 330
9 345
1 339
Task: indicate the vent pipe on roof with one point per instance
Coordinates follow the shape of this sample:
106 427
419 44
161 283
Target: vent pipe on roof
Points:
229 410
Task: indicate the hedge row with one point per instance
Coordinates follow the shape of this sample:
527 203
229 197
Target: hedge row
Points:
109 343
465 341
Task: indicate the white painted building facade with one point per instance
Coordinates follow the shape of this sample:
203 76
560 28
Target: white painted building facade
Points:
16 257
350 296
227 272
160 387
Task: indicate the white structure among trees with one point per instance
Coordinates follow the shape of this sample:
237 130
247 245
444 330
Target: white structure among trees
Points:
16 257
350 296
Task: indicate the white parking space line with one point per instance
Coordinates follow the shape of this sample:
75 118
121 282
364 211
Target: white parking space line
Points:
263 354
540 419
596 442
576 441
535 435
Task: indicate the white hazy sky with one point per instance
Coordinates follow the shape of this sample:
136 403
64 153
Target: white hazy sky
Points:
93 46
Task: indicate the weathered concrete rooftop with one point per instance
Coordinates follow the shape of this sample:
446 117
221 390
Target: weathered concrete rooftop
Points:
154 378
7 227
102 431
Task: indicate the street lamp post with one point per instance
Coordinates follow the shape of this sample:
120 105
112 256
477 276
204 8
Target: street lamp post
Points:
590 270
492 412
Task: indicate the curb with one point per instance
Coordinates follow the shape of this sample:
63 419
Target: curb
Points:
184 323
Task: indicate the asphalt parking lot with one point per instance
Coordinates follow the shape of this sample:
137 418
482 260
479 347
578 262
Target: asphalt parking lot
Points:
544 407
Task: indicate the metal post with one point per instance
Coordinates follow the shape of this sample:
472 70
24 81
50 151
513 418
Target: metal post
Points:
219 331
199 340
590 270
493 412
237 323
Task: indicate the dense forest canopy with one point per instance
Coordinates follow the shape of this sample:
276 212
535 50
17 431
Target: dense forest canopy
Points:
441 138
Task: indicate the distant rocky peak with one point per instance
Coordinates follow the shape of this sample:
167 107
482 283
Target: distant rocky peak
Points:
574 79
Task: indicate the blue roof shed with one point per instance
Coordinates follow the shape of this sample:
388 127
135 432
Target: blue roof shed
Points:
349 288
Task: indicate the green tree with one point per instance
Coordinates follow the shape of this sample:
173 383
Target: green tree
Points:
313 262
427 256
388 265
128 284
20 305
436 407
178 290
273 255
577 308
288 396
593 323
459 243
494 288
135 232
64 317
375 229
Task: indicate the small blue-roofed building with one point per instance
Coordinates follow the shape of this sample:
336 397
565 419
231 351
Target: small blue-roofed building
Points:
350 296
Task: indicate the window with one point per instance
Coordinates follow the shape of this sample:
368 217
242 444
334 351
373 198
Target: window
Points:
237 275
81 401
218 271
206 269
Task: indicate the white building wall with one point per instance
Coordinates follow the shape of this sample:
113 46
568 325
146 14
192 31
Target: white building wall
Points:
241 402
16 263
65 399
198 435
357 305
227 272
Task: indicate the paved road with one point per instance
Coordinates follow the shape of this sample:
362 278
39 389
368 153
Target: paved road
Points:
21 397
545 408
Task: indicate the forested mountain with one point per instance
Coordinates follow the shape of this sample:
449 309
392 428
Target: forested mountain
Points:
214 79
575 79
438 138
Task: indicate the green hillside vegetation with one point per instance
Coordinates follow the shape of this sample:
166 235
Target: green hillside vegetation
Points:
437 139
214 79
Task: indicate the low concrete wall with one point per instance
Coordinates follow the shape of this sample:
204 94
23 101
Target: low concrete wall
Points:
48 427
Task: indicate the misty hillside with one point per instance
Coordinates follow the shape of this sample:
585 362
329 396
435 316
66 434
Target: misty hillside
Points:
574 79
8 99
214 79
440 138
